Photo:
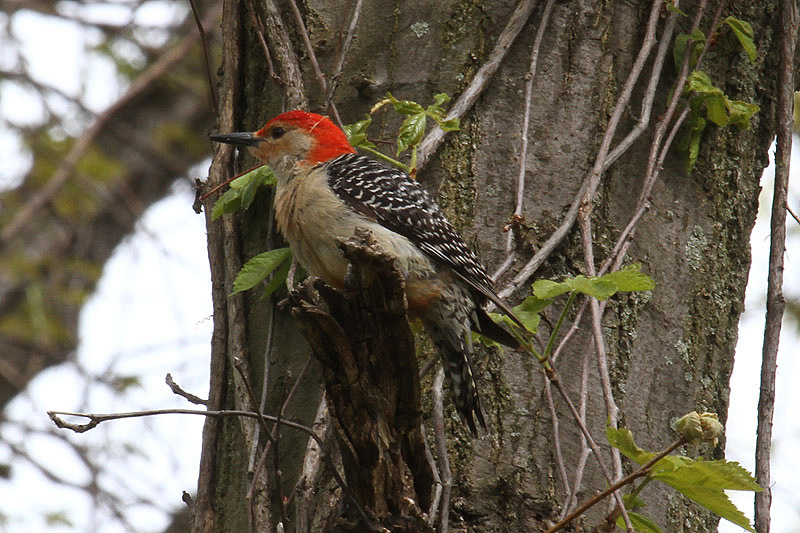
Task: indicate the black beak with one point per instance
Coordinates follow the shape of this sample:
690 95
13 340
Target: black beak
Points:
238 139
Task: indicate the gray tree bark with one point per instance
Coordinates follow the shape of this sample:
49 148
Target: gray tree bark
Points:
666 352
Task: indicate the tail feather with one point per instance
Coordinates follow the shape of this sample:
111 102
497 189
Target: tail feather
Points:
458 369
483 324
454 352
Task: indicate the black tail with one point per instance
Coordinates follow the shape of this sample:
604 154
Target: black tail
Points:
454 352
457 367
483 324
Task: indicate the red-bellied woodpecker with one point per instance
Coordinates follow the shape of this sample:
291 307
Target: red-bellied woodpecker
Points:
325 190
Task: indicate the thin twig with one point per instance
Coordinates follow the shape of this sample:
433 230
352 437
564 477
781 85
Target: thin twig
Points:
630 478
301 25
777 246
562 467
661 127
649 93
252 505
526 117
552 376
794 215
240 368
592 180
433 510
290 72
515 23
264 385
600 352
176 389
572 497
212 90
441 448
96 419
259 27
615 258
348 39
305 486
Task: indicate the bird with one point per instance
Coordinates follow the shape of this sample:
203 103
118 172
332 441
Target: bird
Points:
325 191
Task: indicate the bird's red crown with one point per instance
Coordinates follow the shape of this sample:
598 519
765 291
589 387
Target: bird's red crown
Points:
331 141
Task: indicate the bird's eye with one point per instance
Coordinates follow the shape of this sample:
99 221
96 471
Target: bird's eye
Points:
277 132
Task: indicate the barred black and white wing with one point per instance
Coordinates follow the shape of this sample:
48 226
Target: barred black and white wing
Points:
390 197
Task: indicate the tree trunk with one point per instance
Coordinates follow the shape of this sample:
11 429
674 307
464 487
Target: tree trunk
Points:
664 353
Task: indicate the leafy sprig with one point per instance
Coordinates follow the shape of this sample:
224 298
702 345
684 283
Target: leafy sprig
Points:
242 191
703 482
708 103
411 131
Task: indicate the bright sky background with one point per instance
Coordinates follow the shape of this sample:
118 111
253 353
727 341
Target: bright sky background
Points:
151 315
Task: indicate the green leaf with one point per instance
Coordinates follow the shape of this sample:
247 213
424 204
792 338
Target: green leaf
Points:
679 471
741 113
450 125
630 278
123 383
691 142
744 32
405 107
701 481
699 83
717 111
411 132
704 483
440 99
593 286
262 174
357 133
528 311
486 341
258 268
278 279
672 8
249 193
58 518
632 501
435 110
622 439
242 191
546 289
639 523
697 41
229 202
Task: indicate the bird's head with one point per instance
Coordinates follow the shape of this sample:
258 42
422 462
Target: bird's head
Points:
291 138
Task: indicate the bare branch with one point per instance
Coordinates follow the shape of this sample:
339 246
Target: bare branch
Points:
95 419
526 117
777 246
592 180
794 215
348 39
552 376
630 478
212 86
298 17
288 64
259 26
440 436
515 23
176 389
